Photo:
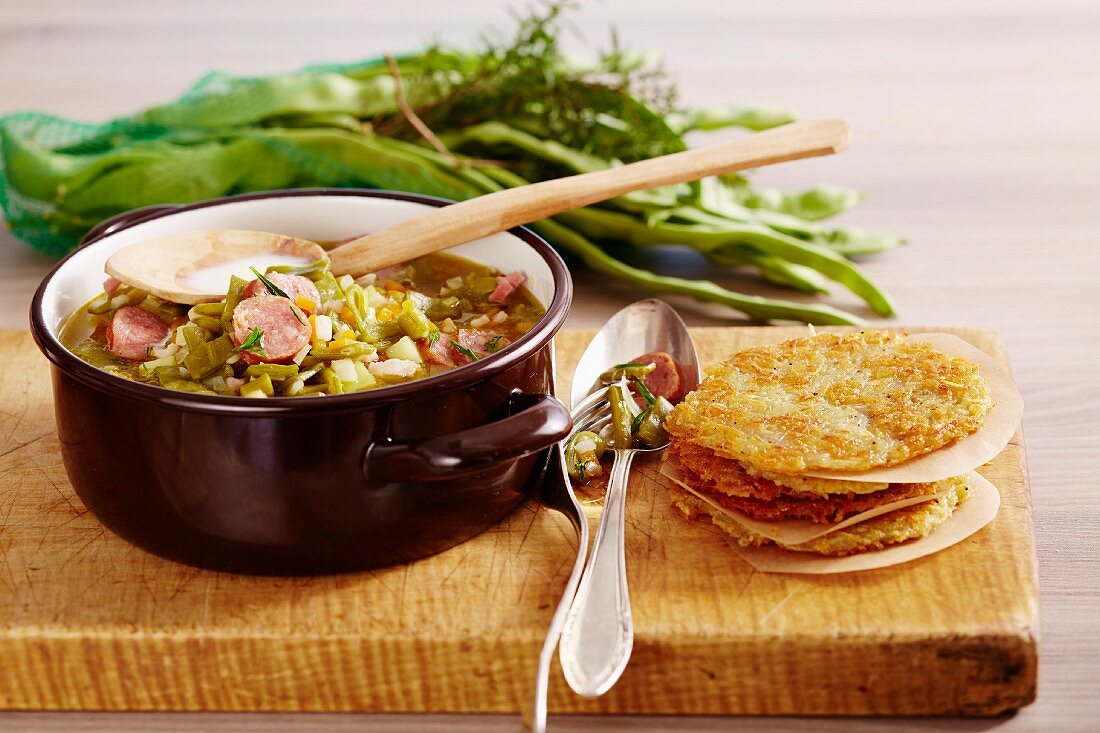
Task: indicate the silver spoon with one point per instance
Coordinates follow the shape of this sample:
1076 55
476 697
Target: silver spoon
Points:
598 635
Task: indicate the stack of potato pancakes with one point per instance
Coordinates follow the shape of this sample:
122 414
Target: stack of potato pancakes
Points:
768 416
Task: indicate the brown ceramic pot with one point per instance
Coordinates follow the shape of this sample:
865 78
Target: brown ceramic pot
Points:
297 485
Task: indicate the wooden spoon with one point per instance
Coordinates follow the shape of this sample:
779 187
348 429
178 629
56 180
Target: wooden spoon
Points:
165 266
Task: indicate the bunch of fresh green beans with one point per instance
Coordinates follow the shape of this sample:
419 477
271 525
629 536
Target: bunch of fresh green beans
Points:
455 124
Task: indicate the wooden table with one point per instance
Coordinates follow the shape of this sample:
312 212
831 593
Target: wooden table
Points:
975 132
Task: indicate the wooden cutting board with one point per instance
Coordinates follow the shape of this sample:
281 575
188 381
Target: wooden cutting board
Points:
89 622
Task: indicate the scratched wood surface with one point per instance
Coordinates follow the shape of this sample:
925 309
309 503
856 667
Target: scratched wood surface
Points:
89 622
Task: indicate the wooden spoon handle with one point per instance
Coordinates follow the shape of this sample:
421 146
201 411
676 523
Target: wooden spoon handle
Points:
502 210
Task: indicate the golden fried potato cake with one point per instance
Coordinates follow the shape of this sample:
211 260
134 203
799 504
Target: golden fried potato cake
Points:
846 402
822 509
900 525
738 479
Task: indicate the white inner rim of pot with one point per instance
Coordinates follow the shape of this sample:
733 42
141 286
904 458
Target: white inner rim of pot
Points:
317 218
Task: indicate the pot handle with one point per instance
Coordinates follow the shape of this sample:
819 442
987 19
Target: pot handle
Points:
125 219
540 422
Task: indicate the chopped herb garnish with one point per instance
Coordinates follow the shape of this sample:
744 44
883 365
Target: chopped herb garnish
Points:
627 365
646 394
493 344
463 350
253 343
433 338
271 287
638 421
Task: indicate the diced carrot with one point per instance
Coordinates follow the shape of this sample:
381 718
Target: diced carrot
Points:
392 284
305 303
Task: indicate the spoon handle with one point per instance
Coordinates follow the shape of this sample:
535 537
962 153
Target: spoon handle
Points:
502 210
599 629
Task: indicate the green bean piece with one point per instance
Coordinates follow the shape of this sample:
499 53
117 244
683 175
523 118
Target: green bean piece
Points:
214 325
662 408
194 336
621 417
354 350
312 389
651 429
261 384
414 323
577 464
100 305
209 357
209 309
355 297
233 296
441 308
382 333
328 288
314 270
333 385
166 374
275 372
188 385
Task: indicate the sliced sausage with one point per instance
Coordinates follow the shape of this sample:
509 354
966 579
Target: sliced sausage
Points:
133 331
292 285
481 343
506 285
284 327
664 380
438 353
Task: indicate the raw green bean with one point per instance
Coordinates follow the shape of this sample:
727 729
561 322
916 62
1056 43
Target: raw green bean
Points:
755 307
609 224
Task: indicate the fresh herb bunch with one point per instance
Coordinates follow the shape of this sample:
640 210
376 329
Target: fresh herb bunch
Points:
458 124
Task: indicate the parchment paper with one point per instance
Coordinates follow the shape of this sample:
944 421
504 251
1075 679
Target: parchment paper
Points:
788 531
975 513
968 453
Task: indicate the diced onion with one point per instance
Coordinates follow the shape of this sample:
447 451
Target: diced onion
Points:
587 445
367 280
455 282
168 350
322 328
500 317
346 281
120 300
302 353
480 321
295 387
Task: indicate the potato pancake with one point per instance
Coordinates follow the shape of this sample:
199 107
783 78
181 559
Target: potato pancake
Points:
739 479
847 402
901 525
822 509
